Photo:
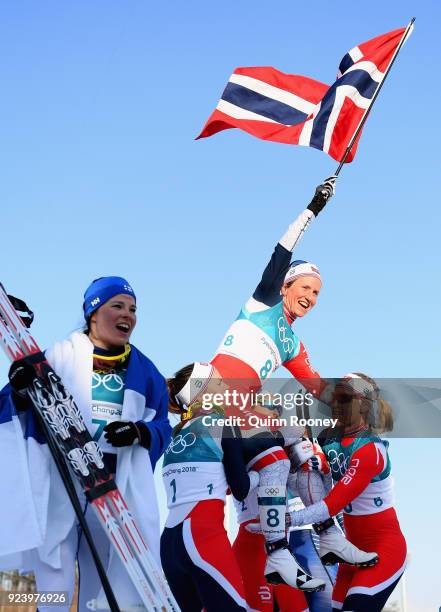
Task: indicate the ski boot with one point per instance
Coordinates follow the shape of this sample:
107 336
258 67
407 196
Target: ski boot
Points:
282 568
335 548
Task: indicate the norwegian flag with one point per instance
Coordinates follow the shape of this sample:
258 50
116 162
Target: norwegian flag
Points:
298 110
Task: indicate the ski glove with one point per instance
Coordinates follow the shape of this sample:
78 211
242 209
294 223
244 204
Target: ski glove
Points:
323 193
318 462
300 453
22 373
126 433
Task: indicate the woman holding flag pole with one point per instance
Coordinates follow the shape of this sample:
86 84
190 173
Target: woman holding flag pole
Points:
265 103
296 110
255 345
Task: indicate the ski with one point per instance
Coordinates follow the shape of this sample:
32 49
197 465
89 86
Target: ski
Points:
57 407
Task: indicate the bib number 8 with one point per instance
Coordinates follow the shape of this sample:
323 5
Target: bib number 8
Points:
266 369
229 340
272 518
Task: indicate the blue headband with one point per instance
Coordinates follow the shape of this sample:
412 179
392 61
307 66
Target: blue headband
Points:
103 289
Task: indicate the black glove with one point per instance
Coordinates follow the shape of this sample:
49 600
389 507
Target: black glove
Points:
323 193
126 433
22 374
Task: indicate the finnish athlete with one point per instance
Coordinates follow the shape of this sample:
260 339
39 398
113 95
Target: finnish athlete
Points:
123 400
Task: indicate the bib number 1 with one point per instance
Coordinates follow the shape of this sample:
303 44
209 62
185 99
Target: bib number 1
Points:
173 486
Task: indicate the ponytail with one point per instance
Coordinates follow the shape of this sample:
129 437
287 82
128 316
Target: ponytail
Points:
381 417
175 384
385 420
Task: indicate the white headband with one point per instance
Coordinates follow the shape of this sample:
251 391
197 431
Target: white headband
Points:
197 383
360 385
303 269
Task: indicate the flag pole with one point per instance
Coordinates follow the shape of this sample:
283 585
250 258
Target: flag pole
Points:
374 97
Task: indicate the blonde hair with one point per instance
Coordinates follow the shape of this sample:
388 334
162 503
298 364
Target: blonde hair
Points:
384 419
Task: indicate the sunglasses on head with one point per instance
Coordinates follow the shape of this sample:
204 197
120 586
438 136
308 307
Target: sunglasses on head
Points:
346 398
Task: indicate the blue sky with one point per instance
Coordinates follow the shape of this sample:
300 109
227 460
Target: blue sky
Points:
101 175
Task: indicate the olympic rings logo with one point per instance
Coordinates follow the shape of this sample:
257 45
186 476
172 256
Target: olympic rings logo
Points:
272 491
181 442
287 343
111 382
337 461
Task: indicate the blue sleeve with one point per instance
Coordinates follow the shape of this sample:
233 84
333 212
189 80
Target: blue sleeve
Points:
234 464
268 290
6 405
144 377
8 409
159 427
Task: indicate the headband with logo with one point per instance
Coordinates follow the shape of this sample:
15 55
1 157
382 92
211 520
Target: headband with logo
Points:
301 268
196 384
103 289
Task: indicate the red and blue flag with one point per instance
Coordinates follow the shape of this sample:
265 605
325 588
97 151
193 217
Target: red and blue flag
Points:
294 109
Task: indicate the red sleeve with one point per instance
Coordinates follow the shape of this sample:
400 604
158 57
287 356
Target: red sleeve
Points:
301 368
365 463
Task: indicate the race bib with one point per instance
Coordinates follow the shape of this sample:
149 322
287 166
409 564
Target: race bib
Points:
107 403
